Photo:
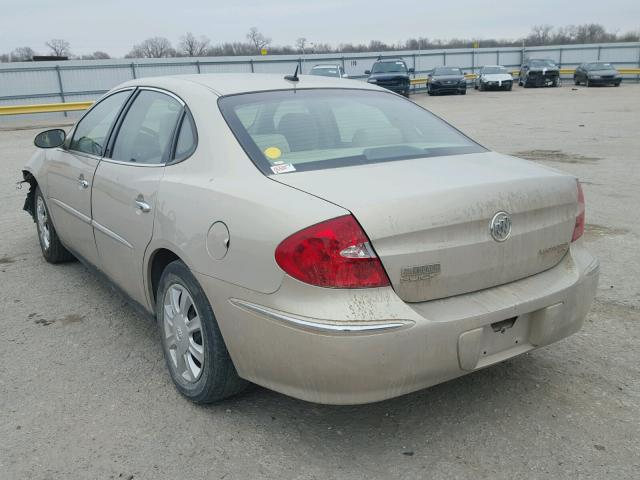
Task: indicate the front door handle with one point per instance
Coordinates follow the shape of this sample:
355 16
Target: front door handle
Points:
143 206
82 182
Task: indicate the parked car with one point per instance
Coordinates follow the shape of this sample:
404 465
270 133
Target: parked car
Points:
597 73
328 71
324 239
446 80
537 72
494 77
392 74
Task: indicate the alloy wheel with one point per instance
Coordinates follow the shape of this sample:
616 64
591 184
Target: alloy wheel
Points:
43 223
182 333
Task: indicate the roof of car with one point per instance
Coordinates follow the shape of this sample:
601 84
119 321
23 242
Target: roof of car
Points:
234 83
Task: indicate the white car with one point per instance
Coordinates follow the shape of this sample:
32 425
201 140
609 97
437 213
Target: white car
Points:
495 77
328 71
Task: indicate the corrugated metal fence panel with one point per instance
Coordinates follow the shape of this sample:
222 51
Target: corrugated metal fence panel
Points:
628 57
94 79
25 83
275 67
225 67
143 70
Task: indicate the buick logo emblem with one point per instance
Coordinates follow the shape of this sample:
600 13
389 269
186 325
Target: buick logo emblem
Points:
500 226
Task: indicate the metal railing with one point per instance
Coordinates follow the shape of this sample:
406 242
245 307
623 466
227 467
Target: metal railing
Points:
75 82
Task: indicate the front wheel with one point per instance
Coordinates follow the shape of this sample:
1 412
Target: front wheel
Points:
463 92
576 81
52 249
194 350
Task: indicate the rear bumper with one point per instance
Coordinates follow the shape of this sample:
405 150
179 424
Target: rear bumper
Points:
328 361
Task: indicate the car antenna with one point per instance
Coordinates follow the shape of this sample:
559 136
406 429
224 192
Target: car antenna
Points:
294 77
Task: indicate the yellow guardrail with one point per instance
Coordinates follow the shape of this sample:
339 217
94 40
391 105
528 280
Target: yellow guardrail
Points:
43 108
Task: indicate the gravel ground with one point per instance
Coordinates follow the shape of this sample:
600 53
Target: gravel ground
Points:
84 392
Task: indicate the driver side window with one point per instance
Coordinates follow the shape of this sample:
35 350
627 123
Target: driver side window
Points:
91 132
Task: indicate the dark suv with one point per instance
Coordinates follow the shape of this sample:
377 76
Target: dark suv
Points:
392 74
539 72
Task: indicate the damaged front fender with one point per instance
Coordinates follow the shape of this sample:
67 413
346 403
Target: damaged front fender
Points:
29 202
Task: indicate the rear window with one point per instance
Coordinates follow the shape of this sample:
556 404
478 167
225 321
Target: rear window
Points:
447 71
300 130
389 67
325 71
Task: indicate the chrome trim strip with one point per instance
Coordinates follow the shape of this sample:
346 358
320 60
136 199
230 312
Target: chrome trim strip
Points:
72 211
308 323
111 234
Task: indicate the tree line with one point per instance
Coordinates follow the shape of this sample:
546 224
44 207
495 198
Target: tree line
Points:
255 41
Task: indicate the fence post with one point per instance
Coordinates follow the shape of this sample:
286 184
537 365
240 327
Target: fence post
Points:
198 65
497 57
133 70
560 58
251 64
300 66
60 86
444 58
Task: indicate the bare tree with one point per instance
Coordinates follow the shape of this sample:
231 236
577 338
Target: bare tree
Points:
155 47
98 55
257 39
59 47
540 35
192 46
301 43
22 54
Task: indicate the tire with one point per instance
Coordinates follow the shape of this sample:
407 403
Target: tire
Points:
617 84
463 92
576 81
429 92
52 249
586 83
509 87
213 376
481 88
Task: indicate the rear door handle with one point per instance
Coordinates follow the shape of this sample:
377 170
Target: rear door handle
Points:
143 206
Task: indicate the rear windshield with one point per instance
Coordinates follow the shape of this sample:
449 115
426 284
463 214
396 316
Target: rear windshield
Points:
494 70
287 130
325 71
389 67
542 63
599 66
447 71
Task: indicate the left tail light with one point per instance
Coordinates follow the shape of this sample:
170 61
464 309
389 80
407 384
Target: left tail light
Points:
578 230
335 253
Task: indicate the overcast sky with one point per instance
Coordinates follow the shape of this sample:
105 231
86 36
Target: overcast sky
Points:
115 25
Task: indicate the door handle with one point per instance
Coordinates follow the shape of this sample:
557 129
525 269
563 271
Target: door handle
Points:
143 206
82 182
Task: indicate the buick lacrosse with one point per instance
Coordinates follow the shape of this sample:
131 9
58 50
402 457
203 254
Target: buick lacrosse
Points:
326 239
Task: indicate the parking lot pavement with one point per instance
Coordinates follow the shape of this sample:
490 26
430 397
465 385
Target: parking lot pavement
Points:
84 392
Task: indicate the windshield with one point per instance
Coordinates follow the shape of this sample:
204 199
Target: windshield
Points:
599 66
494 70
325 71
542 63
288 130
389 67
447 71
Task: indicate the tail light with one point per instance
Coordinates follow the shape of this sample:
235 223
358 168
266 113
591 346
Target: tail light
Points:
335 253
578 230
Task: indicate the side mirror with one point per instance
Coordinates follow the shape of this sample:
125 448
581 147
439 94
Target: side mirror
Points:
367 72
50 138
412 70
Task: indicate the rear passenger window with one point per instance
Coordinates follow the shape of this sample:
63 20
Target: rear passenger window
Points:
145 134
186 139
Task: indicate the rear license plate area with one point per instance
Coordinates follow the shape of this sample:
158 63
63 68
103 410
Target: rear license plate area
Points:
494 342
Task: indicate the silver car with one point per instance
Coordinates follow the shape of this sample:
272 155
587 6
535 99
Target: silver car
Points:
329 240
331 70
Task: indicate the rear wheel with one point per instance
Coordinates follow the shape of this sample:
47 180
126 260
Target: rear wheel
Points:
194 350
617 84
52 249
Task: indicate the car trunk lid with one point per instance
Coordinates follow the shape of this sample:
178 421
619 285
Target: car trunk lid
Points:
429 219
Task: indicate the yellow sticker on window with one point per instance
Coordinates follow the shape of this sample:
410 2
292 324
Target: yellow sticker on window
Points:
272 152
